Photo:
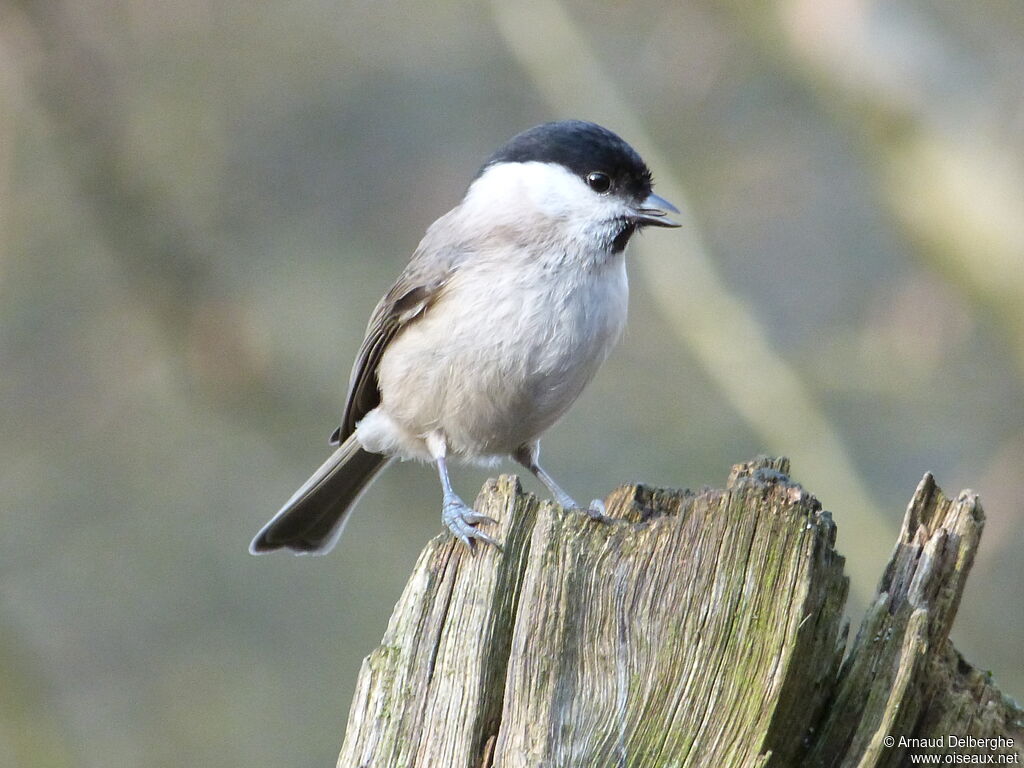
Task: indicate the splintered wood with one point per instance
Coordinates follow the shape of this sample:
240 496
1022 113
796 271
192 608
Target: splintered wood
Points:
679 629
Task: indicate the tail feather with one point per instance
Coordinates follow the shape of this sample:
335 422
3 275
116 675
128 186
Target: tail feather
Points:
313 518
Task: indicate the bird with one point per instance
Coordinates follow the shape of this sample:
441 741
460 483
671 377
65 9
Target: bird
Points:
506 310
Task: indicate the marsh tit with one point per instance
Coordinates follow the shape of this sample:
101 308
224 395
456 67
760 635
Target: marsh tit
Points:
510 304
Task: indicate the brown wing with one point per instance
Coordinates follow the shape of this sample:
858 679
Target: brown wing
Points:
410 296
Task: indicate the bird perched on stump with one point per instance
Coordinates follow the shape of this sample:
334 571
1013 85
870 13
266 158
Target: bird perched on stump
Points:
508 307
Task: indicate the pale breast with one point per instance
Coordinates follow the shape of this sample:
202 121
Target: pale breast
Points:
496 361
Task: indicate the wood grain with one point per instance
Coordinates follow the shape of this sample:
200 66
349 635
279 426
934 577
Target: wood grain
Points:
678 629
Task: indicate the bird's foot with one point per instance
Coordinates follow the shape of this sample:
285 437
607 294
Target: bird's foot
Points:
462 521
596 509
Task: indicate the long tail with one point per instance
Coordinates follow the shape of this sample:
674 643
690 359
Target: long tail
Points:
313 518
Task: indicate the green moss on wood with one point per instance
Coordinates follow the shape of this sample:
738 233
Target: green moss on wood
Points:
681 629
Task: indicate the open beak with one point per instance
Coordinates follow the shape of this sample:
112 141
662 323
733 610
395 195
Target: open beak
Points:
653 212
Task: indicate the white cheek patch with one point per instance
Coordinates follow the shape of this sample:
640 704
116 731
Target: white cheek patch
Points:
554 190
550 190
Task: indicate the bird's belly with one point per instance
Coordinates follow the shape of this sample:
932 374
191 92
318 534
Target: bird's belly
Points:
492 367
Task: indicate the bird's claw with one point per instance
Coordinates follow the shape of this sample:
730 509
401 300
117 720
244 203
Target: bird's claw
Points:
461 520
596 509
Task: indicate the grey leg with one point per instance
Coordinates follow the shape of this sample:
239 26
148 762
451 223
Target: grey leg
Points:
458 516
527 455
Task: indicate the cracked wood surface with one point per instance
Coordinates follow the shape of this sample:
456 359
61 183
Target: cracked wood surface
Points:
681 629
903 677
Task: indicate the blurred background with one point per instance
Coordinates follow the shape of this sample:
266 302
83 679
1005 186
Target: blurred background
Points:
201 201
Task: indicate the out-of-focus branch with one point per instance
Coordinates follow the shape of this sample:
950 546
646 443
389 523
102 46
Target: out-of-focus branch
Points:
716 324
67 83
951 181
61 80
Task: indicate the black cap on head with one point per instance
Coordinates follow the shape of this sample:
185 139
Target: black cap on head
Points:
582 148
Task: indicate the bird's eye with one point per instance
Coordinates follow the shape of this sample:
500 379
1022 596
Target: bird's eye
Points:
599 182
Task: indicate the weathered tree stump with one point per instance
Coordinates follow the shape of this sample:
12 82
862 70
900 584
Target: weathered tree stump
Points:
681 629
